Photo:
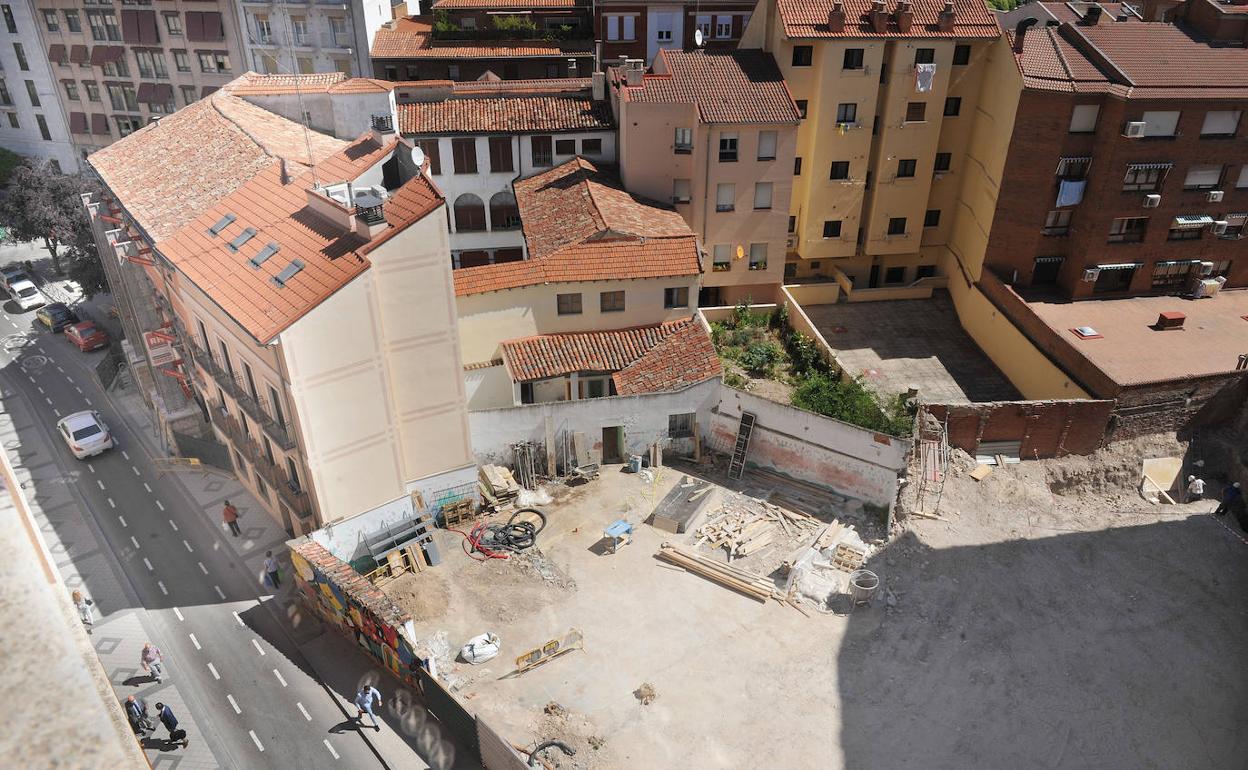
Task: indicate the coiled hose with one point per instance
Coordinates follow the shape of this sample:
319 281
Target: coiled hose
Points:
500 541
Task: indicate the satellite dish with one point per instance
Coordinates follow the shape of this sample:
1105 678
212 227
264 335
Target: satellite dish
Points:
698 38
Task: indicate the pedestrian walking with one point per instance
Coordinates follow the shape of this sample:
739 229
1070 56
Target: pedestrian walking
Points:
153 661
1195 489
230 515
364 701
83 605
171 724
1231 495
136 712
271 569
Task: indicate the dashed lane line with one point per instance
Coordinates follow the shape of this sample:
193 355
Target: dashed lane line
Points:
163 590
161 507
125 454
45 398
101 483
135 541
278 674
122 519
145 486
189 549
178 612
173 524
219 591
255 643
233 703
91 467
111 504
213 670
239 619
331 748
259 745
40 389
88 401
202 568
147 563
303 711
136 470
56 411
78 389
195 642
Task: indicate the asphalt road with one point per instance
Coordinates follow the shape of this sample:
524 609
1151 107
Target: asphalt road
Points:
252 697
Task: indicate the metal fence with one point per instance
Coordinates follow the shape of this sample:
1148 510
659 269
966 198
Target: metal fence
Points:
206 451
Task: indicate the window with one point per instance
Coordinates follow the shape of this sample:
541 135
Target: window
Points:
916 112
189 94
1114 277
853 59
543 150
33 93
1073 168
117 68
1145 177
71 90
1128 229
895 275
611 301
703 23
943 161
98 32
338 31
684 140
469 214
181 61
680 425
721 258
591 146
758 256
832 228
43 128
677 296
1045 270
663 27
452 72
299 29
430 148
50 19
1171 275
801 108
792 225
1160 122
93 90
931 218
292 474
1220 123
803 55
847 112
500 155
630 28
762 195
72 22
924 55
1057 222
681 191
275 403
22 64
723 27
727 147
504 213
1201 177
206 62
961 55
725 197
173 24
8 19
840 170
1184 233
797 166
565 146
568 304
897 226
906 168
953 106
766 145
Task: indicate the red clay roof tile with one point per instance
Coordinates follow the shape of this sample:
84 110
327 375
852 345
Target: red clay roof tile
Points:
515 114
742 86
809 19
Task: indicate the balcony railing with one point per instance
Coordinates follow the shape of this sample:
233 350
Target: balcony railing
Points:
236 385
273 475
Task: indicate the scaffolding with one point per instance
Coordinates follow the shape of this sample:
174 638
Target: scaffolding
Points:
931 452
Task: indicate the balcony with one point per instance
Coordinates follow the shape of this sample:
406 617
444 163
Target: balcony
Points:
273 475
257 408
330 40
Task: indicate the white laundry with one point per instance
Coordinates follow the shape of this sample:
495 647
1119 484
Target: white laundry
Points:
924 74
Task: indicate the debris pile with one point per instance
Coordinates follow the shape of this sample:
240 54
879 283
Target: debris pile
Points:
745 525
748 583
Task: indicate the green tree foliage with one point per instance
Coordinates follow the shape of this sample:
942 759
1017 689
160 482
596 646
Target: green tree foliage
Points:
45 205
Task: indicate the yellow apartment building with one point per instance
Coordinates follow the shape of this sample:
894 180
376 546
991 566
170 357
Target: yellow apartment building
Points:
888 93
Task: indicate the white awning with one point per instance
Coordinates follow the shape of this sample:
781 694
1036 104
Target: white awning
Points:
1139 166
1191 222
1048 260
1174 262
1121 266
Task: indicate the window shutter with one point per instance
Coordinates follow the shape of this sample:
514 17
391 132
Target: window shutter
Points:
130 27
766 144
630 30
613 28
1220 123
195 25
1203 176
1161 123
148 32
213 29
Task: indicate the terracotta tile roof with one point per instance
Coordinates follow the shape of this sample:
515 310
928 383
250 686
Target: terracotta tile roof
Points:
278 210
257 83
553 85
741 86
596 261
505 115
411 38
502 5
342 576
206 151
809 19
644 359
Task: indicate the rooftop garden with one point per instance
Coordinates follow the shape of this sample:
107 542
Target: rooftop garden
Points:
503 28
763 354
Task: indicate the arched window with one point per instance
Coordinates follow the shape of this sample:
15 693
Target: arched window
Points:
469 214
504 215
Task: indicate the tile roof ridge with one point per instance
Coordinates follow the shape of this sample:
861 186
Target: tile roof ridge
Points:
667 327
215 96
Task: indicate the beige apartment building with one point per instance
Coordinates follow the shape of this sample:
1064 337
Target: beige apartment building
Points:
306 286
715 133
887 94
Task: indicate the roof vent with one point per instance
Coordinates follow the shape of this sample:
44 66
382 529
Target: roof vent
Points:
221 224
290 271
1171 319
241 238
383 123
263 255
368 208
1092 15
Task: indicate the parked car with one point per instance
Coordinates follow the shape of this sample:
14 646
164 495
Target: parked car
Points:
85 434
56 316
87 336
26 295
11 274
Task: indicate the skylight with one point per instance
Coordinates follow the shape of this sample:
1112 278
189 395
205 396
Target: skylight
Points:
288 272
269 250
221 224
242 238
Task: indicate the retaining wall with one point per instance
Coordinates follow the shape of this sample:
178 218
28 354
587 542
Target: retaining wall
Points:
1045 428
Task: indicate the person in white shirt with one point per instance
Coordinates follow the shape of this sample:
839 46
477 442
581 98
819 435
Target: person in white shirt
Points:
364 700
1195 489
270 569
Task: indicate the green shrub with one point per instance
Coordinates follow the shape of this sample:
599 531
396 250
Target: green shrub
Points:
516 26
804 354
780 317
760 357
849 401
734 380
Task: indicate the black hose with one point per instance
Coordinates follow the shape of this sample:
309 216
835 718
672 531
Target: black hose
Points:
565 748
514 536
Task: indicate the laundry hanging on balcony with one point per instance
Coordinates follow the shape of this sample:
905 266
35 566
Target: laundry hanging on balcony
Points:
924 74
1070 192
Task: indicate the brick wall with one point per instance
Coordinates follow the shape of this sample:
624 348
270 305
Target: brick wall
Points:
1045 428
1166 407
1029 191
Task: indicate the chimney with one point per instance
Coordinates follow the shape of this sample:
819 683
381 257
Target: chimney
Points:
836 17
383 126
903 16
1091 16
879 17
1020 32
947 18
634 71
599 85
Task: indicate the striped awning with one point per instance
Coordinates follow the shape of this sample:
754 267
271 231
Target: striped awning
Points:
1048 260
1175 262
1072 161
1145 166
1191 222
1121 266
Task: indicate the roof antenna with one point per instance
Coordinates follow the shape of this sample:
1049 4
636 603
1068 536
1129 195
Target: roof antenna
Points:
303 114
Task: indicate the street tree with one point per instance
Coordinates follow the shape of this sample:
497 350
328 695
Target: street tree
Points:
42 204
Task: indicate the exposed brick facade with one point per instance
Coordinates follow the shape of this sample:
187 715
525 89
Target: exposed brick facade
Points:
1045 428
636 48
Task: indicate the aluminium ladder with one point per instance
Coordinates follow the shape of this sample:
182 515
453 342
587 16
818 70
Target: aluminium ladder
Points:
736 466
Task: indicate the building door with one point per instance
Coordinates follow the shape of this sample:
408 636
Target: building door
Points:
613 444
874 280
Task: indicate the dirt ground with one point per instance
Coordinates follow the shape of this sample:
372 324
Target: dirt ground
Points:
1051 618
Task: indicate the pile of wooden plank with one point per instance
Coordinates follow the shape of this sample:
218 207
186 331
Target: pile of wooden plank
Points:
751 584
497 485
746 525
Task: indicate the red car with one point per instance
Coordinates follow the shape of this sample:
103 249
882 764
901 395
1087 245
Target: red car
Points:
87 336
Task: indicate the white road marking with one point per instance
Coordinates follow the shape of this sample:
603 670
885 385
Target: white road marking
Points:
259 745
240 620
125 454
161 507
40 388
45 398
304 711
331 748
111 504
189 549
101 483
163 590
219 591
256 644
135 540
32 379
88 402
122 519
145 486
233 703
195 642
202 568
278 674
56 411
213 669
136 470
173 524
178 612
78 389
59 369
147 563
69 379
91 467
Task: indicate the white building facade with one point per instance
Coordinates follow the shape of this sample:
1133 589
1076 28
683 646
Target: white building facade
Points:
307 36
34 125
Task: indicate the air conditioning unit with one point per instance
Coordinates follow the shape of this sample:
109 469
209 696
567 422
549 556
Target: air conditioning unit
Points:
1219 227
938 175
1090 275
1135 129
1152 201
1214 196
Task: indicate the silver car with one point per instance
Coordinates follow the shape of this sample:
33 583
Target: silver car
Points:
85 433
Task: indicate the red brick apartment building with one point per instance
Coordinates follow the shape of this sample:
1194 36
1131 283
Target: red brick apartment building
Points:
1127 173
637 29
